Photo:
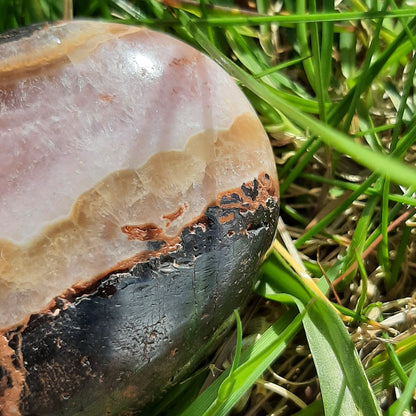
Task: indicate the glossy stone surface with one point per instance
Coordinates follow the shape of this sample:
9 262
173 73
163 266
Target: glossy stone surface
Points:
138 193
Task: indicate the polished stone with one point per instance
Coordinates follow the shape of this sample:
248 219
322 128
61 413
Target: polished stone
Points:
118 144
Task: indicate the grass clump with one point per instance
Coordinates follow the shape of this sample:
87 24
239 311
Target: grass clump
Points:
334 86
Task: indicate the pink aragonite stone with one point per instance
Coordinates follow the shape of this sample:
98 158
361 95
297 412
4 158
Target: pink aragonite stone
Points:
118 143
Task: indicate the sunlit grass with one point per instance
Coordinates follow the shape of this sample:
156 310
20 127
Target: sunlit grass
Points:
334 88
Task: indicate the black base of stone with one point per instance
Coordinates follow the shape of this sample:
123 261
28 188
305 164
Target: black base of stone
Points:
115 349
20 32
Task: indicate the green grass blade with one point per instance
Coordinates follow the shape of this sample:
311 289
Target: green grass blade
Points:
244 376
382 371
384 256
306 156
397 365
337 114
301 18
339 369
326 48
336 212
254 362
363 83
356 246
364 280
316 63
279 67
378 162
293 161
302 34
403 104
314 409
347 43
344 385
403 403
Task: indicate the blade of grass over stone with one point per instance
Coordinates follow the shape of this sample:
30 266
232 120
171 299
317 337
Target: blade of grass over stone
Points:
378 162
238 346
180 397
268 113
254 361
227 386
237 383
